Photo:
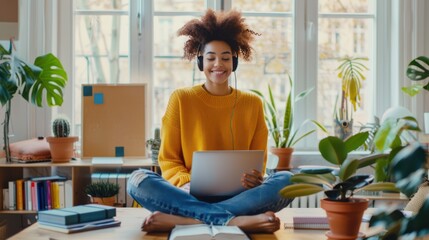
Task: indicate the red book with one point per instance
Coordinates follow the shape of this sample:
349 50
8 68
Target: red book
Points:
34 200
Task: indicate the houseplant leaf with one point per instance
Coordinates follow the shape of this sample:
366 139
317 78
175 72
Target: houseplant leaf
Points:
354 142
348 168
52 79
416 71
325 179
299 190
381 186
333 150
407 161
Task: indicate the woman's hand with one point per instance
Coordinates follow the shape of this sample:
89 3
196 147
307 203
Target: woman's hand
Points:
252 179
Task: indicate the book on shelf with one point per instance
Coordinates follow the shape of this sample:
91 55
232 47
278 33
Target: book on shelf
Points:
5 198
76 214
80 227
12 195
209 232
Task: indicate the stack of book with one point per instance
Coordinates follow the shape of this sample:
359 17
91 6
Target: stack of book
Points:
78 218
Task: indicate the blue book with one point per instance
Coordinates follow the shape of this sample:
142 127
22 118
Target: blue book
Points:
110 211
58 216
76 214
82 227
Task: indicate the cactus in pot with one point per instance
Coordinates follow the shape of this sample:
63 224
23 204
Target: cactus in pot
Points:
61 127
61 144
154 144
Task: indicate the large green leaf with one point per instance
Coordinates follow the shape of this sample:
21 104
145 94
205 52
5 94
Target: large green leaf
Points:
381 186
324 179
355 141
52 80
348 168
408 160
416 71
299 190
333 150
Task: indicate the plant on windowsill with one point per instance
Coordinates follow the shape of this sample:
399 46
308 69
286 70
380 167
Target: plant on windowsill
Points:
154 144
282 128
45 77
103 192
351 72
61 144
339 190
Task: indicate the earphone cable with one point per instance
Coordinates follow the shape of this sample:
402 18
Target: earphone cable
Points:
232 112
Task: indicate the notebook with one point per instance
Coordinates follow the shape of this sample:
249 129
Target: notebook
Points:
216 175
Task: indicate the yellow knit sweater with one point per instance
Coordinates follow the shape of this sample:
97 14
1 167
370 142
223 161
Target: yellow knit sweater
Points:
195 120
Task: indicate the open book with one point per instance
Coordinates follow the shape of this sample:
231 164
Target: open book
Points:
203 231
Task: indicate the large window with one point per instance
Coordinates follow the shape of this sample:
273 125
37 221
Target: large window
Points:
124 41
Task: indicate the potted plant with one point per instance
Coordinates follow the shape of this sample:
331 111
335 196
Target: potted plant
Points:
351 72
282 128
344 211
61 144
154 144
408 169
103 192
45 77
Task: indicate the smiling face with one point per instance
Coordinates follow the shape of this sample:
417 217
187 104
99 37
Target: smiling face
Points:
217 62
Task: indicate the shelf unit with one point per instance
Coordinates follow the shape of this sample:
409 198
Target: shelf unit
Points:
81 170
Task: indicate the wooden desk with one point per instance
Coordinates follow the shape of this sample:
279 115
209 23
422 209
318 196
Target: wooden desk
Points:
132 219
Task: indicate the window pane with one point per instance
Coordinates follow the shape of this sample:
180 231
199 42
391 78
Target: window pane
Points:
171 71
102 5
166 42
102 42
344 6
179 5
263 6
272 57
339 38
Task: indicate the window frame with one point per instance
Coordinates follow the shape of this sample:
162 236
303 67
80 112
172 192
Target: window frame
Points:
401 20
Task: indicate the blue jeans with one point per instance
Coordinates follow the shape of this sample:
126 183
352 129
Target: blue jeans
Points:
153 192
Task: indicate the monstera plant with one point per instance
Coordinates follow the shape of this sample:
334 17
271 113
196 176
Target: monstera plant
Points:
45 78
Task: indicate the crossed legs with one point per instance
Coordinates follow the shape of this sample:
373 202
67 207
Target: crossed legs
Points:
162 222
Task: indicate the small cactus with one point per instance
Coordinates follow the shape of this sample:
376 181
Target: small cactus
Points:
61 127
155 142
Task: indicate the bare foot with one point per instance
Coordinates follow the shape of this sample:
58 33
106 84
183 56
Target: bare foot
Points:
262 223
162 222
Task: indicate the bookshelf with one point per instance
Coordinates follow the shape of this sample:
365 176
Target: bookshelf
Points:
80 170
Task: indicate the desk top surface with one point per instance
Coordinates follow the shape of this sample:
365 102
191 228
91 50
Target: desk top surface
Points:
132 218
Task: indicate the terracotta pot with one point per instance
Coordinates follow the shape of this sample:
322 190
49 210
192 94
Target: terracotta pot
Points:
62 148
285 156
108 201
344 217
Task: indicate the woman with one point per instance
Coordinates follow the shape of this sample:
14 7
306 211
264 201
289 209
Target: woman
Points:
212 116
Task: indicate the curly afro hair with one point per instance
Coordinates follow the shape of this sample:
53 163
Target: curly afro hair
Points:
222 26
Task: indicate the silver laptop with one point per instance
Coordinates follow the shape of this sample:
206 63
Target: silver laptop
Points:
216 175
